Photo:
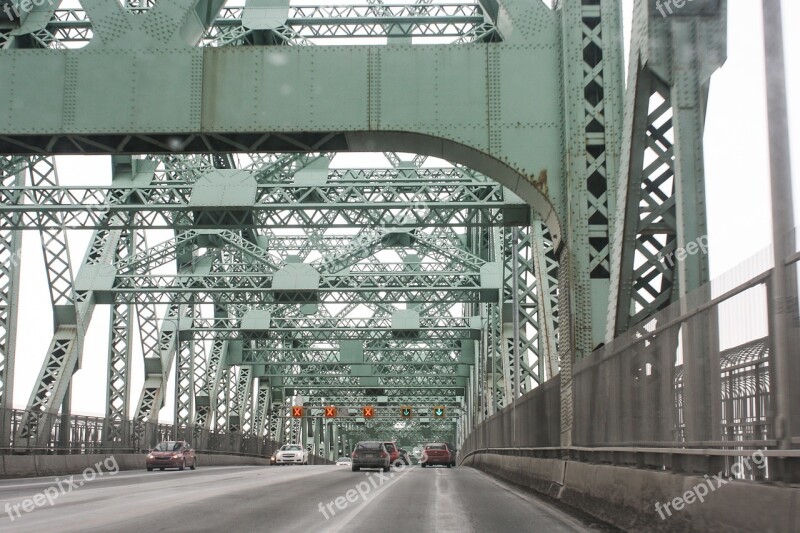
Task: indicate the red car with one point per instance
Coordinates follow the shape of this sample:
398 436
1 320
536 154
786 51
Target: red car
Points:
394 452
436 453
171 454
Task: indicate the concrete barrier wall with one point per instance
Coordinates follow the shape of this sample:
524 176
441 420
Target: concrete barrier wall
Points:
16 466
627 497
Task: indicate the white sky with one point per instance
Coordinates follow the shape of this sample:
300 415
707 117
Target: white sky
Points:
737 187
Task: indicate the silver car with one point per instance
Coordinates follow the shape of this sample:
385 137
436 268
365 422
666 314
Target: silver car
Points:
291 454
370 454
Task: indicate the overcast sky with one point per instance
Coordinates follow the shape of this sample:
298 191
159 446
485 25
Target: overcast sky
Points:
737 186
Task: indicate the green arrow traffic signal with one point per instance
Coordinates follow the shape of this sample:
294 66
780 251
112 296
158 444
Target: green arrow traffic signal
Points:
438 411
405 412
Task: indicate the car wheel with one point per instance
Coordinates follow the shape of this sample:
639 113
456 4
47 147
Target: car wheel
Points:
162 468
356 468
194 464
448 465
422 465
385 468
183 465
149 468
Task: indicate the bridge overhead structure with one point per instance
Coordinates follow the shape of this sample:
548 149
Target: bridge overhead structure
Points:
462 283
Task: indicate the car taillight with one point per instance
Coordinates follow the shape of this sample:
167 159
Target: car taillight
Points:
383 454
355 454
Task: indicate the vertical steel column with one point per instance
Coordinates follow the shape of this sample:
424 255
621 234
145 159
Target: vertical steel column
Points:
184 391
73 314
515 313
11 175
593 90
546 273
783 285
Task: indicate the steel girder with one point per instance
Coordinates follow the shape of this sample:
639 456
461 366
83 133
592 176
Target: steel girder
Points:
120 353
206 399
51 388
157 367
262 408
660 252
188 353
525 147
360 204
524 143
545 270
459 21
593 73
12 173
330 329
661 191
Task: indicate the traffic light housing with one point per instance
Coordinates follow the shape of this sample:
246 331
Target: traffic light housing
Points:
330 411
406 411
368 411
297 411
439 411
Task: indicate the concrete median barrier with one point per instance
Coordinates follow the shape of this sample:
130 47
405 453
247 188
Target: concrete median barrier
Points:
20 466
627 497
50 465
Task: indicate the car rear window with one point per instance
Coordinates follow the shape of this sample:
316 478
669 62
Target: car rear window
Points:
168 446
389 446
369 445
435 447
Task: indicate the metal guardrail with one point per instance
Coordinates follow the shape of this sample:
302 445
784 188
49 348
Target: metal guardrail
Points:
78 434
697 461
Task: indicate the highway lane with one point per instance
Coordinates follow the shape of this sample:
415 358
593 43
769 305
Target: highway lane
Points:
291 499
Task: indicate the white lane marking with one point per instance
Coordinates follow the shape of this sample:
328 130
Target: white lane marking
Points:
349 517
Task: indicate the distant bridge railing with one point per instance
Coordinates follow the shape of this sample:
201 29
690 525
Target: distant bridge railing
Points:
78 434
689 389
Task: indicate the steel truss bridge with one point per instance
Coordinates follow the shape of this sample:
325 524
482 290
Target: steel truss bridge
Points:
536 218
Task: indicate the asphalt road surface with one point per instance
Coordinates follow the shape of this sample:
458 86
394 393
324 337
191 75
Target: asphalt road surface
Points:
278 498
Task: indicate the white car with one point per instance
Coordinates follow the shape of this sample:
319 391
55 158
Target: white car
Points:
291 454
344 461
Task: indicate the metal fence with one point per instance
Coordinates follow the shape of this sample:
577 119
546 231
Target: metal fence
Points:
535 421
690 389
695 374
76 434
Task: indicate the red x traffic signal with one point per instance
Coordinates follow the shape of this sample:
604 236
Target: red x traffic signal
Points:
297 411
330 411
368 411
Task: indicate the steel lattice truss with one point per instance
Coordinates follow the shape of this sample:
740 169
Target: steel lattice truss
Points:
287 277
231 374
302 25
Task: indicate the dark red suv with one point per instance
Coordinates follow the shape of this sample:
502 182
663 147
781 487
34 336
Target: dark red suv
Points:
394 452
172 454
436 453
